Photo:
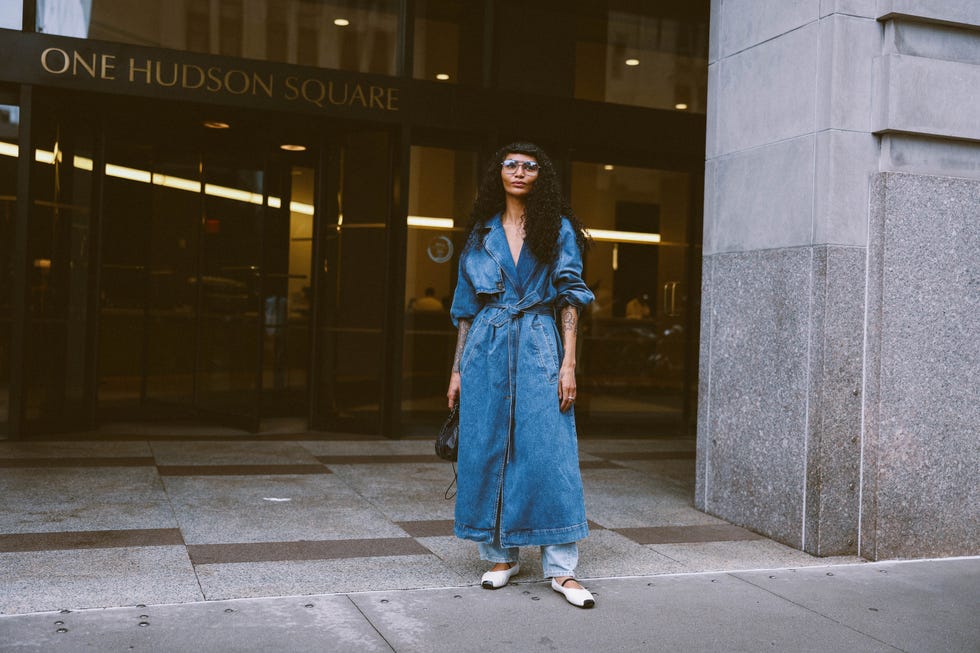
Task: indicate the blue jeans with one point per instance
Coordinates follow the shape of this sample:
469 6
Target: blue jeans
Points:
556 559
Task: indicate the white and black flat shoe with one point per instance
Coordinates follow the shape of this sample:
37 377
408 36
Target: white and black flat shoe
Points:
581 598
496 579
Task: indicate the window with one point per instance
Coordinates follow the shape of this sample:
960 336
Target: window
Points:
649 54
11 15
442 187
448 40
9 121
642 57
636 340
360 36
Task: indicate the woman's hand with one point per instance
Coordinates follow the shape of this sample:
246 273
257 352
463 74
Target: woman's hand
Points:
453 393
566 386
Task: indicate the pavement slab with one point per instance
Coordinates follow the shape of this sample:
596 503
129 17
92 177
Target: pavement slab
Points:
51 499
677 613
916 606
406 492
257 579
747 555
69 579
285 508
326 623
919 607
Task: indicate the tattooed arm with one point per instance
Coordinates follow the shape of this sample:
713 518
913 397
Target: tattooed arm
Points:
566 375
454 379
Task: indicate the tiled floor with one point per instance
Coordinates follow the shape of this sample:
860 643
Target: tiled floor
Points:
120 522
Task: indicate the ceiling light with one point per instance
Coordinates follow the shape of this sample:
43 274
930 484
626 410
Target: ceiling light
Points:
289 147
214 124
442 77
610 236
431 223
680 106
341 22
632 62
608 166
301 207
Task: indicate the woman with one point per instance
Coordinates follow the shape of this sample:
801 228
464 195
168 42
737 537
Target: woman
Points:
514 374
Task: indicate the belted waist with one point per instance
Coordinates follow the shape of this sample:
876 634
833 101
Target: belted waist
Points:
514 311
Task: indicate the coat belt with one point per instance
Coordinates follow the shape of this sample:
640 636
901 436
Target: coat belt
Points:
515 311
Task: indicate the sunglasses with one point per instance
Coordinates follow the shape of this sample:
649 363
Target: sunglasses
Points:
510 166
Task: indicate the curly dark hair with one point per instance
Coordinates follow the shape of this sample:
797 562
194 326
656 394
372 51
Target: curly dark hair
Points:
544 206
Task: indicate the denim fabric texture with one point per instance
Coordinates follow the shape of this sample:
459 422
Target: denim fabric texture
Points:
556 559
518 453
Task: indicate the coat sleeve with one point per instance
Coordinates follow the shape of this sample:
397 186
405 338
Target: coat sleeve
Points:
465 302
567 275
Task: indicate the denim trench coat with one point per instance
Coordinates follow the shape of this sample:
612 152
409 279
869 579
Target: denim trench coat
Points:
518 453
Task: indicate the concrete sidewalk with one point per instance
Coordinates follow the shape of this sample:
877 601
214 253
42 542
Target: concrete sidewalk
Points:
920 606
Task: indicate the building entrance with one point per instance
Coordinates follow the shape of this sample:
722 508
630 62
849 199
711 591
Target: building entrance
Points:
208 265
231 267
205 277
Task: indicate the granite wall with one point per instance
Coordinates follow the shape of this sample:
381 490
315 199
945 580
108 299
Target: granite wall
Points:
800 433
922 418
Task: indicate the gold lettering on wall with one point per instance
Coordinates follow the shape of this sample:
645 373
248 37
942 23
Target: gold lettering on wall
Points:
376 93
134 68
55 61
160 77
108 66
191 76
168 74
86 64
262 83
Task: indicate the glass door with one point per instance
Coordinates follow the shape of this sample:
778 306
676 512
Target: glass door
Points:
287 287
229 285
442 185
9 132
352 267
205 292
637 361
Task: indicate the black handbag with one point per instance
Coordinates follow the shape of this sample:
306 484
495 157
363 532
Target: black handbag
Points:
447 442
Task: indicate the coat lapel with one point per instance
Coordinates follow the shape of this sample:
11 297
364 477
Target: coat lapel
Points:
496 245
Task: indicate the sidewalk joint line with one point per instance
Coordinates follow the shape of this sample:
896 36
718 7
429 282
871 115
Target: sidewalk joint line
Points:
370 623
173 511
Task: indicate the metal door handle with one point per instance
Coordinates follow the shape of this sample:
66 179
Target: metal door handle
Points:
670 298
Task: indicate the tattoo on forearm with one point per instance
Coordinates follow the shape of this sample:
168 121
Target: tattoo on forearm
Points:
569 319
464 330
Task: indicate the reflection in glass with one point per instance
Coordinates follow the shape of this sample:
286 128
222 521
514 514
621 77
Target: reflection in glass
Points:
448 38
229 290
287 294
442 184
206 289
356 35
11 15
124 279
171 298
352 287
650 54
634 340
8 199
642 57
58 253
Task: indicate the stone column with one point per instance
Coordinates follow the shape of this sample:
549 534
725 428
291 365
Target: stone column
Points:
811 104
